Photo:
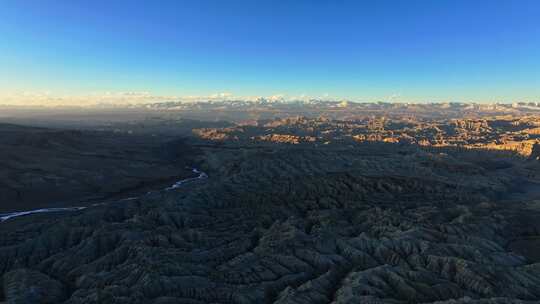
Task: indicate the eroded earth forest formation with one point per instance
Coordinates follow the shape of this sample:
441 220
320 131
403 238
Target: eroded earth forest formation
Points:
295 210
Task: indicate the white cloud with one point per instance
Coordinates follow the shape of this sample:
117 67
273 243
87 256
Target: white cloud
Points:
47 98
393 98
223 95
276 97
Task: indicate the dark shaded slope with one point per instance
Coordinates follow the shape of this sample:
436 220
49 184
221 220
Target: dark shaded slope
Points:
287 226
57 168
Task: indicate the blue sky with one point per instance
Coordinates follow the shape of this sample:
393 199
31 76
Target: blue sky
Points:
415 50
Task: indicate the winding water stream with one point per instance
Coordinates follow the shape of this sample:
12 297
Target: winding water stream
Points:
7 216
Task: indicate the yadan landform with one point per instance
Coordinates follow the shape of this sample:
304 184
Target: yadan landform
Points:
271 202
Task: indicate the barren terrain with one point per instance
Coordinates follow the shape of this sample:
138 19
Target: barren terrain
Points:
298 210
56 168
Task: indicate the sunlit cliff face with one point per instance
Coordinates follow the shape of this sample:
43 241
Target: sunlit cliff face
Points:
511 135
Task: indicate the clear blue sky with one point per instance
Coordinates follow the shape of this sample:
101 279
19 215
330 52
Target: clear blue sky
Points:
420 50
